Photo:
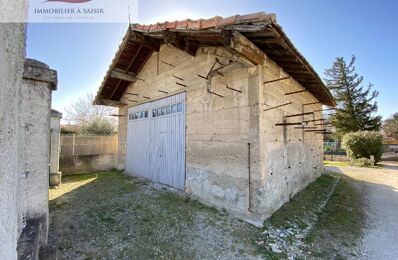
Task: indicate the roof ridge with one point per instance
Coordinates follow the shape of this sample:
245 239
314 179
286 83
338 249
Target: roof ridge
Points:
213 22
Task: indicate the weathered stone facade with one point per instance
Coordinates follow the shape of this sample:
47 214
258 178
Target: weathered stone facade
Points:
12 54
35 108
290 158
25 101
231 139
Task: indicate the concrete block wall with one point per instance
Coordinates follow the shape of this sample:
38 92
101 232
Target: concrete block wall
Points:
290 158
79 164
218 129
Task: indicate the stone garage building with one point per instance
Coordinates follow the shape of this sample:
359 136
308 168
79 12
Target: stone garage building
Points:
225 108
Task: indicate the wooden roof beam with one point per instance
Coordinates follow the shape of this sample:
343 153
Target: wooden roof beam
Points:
146 41
264 33
239 45
109 102
120 74
181 42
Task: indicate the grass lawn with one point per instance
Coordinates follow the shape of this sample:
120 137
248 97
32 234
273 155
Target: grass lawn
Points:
339 228
323 221
111 216
345 164
336 163
108 215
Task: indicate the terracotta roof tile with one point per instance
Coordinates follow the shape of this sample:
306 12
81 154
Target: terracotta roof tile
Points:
252 17
228 21
201 24
162 26
215 25
171 25
210 23
195 24
146 27
182 24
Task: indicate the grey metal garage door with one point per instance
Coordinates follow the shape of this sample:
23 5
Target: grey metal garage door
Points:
156 141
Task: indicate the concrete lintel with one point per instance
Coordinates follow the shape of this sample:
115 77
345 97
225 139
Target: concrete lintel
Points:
36 70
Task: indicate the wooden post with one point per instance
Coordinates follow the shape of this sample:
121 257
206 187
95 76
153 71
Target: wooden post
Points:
73 144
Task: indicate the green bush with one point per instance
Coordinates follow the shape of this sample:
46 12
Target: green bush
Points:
327 147
65 131
341 150
98 126
362 162
363 144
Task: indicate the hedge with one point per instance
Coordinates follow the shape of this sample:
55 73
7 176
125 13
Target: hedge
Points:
363 144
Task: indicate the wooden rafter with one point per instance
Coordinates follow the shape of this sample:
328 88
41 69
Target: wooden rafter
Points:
108 102
239 45
134 58
146 41
120 74
181 43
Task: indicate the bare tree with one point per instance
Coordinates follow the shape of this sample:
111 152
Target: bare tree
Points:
82 111
390 126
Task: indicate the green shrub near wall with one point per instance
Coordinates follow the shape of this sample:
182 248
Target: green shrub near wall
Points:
363 144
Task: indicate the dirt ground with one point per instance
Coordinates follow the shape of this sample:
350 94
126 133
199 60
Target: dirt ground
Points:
379 188
112 216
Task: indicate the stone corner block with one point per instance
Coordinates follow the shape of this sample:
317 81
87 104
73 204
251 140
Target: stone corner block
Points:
55 114
36 70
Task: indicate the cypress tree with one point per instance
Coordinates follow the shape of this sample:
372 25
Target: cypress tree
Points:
356 108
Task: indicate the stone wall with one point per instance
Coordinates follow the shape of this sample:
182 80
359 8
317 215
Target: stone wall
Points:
218 129
290 157
230 140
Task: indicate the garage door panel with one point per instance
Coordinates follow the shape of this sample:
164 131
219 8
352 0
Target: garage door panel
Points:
138 141
163 135
170 160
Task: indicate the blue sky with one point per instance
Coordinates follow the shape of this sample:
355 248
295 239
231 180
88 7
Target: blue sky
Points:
321 30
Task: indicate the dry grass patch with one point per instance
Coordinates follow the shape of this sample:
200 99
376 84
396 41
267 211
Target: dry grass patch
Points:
118 217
